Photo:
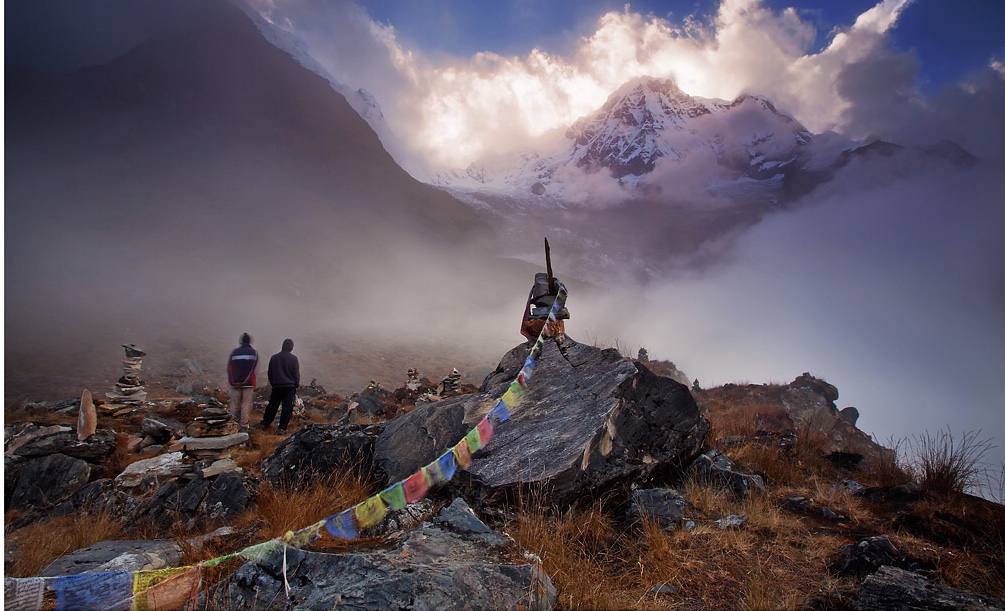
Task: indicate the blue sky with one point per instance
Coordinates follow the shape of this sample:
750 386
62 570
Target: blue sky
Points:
950 37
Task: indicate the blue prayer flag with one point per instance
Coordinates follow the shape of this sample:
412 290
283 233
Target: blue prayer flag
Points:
341 525
447 465
94 591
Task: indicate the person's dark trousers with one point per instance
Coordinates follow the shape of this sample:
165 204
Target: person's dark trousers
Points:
284 395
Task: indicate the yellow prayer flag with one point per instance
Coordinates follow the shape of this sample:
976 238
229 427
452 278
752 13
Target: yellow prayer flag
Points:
463 454
371 511
166 589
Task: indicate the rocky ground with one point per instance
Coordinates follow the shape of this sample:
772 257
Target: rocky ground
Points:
612 485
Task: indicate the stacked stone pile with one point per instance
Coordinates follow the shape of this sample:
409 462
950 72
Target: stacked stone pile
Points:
413 379
451 384
208 441
129 389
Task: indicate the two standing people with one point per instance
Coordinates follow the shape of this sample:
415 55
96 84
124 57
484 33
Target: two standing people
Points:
284 377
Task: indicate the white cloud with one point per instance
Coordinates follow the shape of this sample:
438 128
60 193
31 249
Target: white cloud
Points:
453 111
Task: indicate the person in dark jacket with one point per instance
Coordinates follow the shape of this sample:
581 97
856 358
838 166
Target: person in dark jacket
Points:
241 378
284 376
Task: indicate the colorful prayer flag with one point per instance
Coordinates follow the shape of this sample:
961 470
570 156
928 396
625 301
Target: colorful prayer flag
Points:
95 591
484 431
499 412
415 486
510 398
178 590
305 536
341 525
370 512
256 553
462 453
435 474
23 594
447 465
394 496
474 441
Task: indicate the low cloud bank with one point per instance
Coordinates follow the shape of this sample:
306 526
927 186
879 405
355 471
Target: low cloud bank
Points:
894 292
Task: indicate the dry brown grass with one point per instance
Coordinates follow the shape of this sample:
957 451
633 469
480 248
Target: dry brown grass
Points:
732 413
279 511
948 465
888 469
775 562
40 543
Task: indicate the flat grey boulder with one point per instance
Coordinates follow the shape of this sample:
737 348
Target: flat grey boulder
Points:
590 420
455 563
109 556
165 466
209 443
893 589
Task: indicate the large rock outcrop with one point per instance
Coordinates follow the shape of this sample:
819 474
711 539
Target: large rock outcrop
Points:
454 562
320 449
805 405
590 421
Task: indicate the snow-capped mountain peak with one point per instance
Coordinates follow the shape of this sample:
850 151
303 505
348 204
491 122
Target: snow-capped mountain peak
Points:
636 126
645 131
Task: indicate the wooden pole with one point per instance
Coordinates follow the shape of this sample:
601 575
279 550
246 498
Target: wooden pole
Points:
547 259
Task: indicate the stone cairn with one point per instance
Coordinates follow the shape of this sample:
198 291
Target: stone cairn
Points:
129 390
413 379
451 384
208 441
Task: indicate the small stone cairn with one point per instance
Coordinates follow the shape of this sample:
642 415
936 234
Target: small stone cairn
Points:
208 441
413 383
129 390
451 383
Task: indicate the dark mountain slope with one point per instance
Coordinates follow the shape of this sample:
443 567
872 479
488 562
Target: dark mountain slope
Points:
204 184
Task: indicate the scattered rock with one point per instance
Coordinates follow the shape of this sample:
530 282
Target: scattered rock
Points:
161 428
718 470
662 589
660 505
850 415
21 435
417 438
161 467
218 467
732 522
866 556
894 589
